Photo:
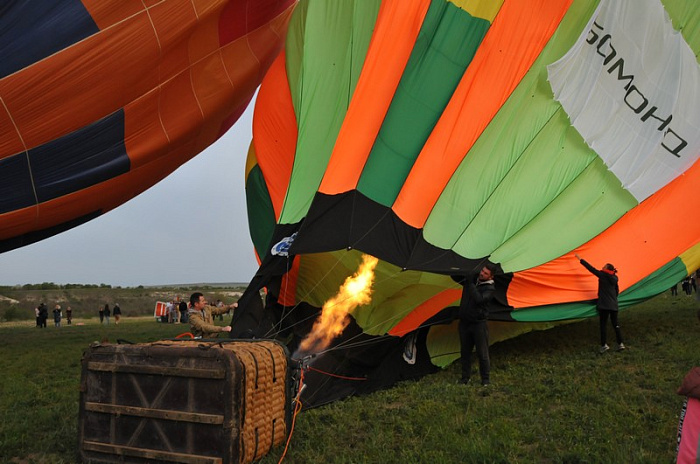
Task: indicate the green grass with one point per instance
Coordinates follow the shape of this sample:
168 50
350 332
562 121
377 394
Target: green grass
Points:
553 398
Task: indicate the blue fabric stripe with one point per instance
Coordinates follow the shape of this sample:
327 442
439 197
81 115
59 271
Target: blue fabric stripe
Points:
15 184
31 30
37 235
86 157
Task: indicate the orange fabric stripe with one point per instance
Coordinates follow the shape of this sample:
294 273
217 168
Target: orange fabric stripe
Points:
643 240
426 310
381 73
18 222
275 132
518 34
45 107
108 13
10 141
288 287
204 90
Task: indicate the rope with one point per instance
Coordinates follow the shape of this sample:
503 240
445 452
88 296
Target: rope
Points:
335 375
186 334
297 409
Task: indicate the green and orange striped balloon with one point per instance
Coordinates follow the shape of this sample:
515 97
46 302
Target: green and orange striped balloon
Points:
436 135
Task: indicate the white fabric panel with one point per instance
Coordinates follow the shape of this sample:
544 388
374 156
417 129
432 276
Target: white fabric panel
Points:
631 88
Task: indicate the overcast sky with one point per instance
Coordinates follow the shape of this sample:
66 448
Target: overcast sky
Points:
192 227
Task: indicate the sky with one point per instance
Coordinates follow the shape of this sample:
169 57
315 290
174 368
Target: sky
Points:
192 227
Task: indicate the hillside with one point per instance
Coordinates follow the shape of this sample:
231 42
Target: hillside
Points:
18 303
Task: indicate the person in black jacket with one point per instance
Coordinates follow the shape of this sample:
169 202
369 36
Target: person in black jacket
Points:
608 290
477 292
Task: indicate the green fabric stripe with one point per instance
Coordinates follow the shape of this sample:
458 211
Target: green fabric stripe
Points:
326 47
652 285
533 162
445 46
261 214
530 179
685 16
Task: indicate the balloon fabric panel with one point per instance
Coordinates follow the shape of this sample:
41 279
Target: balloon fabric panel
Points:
382 71
519 182
261 216
275 133
329 50
29 34
448 39
134 91
636 244
516 37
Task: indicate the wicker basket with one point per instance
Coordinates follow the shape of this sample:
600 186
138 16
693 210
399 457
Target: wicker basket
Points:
184 401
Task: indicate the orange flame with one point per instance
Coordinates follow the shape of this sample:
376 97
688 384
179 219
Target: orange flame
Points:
355 291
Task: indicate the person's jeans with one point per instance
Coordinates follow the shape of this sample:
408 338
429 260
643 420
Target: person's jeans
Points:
471 335
604 314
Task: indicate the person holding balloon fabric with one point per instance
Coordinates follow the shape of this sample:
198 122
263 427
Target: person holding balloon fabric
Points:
607 305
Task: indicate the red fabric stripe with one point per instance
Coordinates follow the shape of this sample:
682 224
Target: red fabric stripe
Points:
239 17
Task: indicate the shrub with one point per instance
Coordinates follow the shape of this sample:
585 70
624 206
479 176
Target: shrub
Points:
13 313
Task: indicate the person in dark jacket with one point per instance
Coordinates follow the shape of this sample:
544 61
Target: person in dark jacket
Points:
117 313
477 292
182 307
608 290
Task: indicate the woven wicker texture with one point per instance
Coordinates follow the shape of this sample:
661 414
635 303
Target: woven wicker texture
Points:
263 404
265 396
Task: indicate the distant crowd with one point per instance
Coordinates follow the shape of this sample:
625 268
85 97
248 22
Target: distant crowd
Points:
42 314
105 313
176 311
688 285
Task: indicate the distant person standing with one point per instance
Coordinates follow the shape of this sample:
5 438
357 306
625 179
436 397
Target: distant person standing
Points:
117 313
69 315
687 289
607 305
57 316
173 309
107 314
201 315
169 309
182 307
38 316
102 314
43 314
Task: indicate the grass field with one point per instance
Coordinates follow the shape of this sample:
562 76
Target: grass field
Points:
553 398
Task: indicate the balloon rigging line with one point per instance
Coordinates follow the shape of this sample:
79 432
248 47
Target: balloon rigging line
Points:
315 315
275 329
286 289
26 150
346 344
270 333
337 376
